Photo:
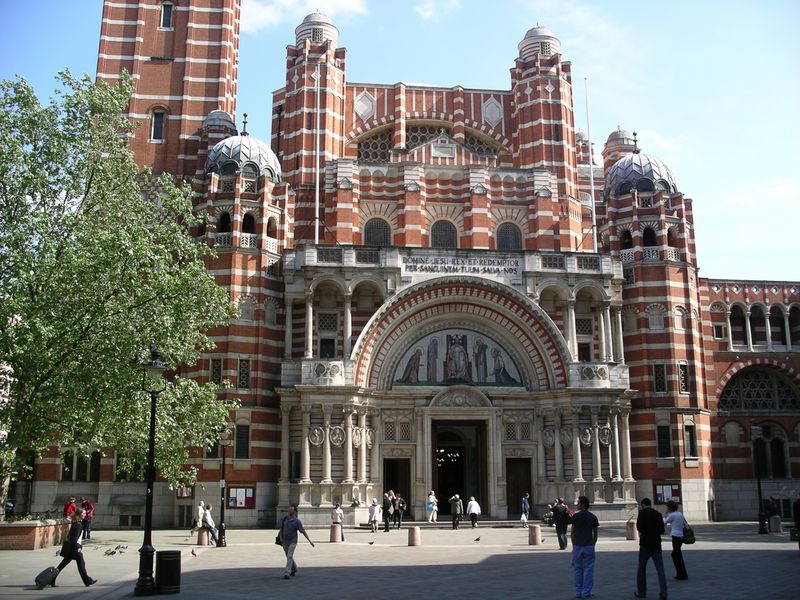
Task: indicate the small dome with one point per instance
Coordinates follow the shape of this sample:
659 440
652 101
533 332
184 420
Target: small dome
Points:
318 28
243 153
620 137
638 171
539 40
219 118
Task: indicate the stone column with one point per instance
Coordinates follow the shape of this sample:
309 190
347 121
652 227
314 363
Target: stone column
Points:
559 450
419 446
375 470
620 352
348 325
348 445
576 446
573 336
287 334
326 447
602 336
730 333
786 328
614 466
768 329
362 449
749 331
607 332
626 445
597 468
305 455
309 350
286 412
540 462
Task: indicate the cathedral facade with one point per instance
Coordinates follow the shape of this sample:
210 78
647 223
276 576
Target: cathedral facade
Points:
443 289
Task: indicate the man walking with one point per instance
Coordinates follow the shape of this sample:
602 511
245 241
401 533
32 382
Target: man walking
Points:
650 525
561 520
526 509
456 510
287 536
584 538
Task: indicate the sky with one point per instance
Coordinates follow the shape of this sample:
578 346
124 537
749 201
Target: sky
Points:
712 87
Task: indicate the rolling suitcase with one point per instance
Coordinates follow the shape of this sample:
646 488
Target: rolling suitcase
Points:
46 577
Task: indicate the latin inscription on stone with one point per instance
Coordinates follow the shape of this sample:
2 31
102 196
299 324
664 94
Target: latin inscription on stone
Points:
459 265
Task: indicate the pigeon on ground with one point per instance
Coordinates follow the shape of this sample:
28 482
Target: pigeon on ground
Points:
193 552
371 543
477 539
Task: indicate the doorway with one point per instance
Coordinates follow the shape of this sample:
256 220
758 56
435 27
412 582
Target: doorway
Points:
397 477
518 483
459 462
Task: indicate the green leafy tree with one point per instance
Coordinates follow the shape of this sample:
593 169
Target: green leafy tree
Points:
92 273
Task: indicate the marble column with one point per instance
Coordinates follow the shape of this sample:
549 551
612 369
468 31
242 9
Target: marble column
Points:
627 473
375 466
576 447
614 466
787 329
348 325
287 333
559 450
327 409
540 457
419 449
620 351
348 445
305 454
573 336
730 333
602 336
286 412
607 332
768 330
309 349
597 463
749 331
362 449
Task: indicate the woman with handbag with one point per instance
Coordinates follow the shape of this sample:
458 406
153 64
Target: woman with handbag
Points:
71 549
676 521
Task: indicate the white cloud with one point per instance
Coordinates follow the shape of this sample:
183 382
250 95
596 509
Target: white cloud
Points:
431 10
259 14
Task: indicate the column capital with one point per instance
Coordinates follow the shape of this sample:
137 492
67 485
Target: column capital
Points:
286 410
327 410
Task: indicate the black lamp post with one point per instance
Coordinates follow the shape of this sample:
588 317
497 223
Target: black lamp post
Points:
224 441
152 383
762 520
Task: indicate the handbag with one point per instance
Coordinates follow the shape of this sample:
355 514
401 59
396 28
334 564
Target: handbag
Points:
278 540
688 534
66 550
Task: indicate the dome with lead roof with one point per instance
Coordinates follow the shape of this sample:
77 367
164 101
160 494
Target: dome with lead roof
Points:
641 172
318 28
243 153
539 40
219 118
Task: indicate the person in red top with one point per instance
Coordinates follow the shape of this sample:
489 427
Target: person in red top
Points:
88 507
69 507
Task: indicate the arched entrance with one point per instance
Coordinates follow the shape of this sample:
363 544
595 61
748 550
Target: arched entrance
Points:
459 462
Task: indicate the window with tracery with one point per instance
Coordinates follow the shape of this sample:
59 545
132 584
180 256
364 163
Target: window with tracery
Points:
509 237
444 235
376 148
770 452
377 233
416 135
478 146
759 389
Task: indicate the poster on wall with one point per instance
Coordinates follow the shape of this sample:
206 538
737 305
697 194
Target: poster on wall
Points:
668 491
457 357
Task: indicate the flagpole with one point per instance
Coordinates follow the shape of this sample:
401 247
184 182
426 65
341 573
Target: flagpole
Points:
591 166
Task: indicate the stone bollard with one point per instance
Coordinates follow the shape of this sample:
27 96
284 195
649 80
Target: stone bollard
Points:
414 536
336 533
775 524
202 537
534 535
631 533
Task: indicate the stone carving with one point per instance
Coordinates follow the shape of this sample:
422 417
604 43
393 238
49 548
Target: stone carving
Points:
549 438
565 436
370 437
515 452
594 372
586 436
337 435
604 435
316 435
358 437
399 452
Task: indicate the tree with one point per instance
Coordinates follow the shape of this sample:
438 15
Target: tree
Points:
92 273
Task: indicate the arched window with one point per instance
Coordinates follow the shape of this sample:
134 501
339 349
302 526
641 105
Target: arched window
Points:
655 318
224 223
672 238
626 240
166 15
680 318
509 237
738 326
645 185
777 325
444 235
248 223
157 123
769 451
377 233
247 308
759 388
272 228
758 327
649 237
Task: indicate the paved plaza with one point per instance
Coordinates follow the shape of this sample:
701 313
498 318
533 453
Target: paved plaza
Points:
730 561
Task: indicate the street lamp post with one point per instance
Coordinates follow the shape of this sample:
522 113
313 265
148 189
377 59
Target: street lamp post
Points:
152 383
224 441
762 521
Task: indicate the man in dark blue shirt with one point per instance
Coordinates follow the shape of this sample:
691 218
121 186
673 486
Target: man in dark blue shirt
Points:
584 538
650 525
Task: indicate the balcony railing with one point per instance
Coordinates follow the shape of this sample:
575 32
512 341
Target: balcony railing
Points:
651 254
223 239
249 240
272 245
628 255
673 254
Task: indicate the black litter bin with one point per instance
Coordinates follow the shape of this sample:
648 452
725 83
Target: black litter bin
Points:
168 571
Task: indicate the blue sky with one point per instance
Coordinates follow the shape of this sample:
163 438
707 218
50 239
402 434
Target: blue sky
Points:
712 87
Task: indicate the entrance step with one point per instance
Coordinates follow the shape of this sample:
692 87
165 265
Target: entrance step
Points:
447 524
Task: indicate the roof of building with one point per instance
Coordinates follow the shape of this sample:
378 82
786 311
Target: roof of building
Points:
638 171
317 17
234 153
219 118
